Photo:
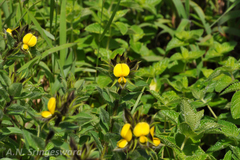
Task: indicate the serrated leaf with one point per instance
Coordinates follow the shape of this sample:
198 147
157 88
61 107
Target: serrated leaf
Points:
168 141
190 117
95 28
235 105
229 129
156 95
235 150
219 145
171 114
222 83
186 130
233 87
160 66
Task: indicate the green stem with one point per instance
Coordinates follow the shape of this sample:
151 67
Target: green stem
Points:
104 150
210 109
138 99
184 142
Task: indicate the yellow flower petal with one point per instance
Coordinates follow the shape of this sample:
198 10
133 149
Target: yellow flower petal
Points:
52 105
9 31
141 129
156 141
121 70
122 80
126 132
152 131
122 143
30 39
46 114
143 139
25 47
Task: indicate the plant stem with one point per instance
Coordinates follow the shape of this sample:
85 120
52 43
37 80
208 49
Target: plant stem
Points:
184 142
104 150
138 99
209 109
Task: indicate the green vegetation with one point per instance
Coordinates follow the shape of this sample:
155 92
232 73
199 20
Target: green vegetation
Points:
119 79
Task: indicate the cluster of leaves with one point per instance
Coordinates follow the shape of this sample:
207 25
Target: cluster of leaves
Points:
187 82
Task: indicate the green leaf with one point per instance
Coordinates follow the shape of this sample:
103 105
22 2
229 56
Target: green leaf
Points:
104 116
236 151
219 145
160 66
15 89
190 115
4 94
2 43
233 87
10 40
95 28
156 95
229 129
97 141
103 81
168 141
4 78
222 83
122 27
174 43
120 14
171 114
228 156
235 105
16 109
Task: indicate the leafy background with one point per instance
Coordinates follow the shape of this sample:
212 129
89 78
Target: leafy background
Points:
187 81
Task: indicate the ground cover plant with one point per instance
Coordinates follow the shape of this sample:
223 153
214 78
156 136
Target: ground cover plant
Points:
119 79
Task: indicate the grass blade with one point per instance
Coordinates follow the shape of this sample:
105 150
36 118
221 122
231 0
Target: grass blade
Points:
180 8
110 21
62 34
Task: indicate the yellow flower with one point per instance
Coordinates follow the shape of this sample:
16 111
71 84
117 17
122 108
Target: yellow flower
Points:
141 129
121 70
156 141
122 143
126 134
143 139
51 108
9 31
29 40
25 47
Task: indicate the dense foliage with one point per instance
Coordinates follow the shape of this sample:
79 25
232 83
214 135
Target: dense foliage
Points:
119 79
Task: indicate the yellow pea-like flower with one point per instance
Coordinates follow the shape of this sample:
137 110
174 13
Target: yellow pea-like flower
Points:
122 143
126 132
9 31
46 114
143 139
122 80
121 70
25 47
141 129
30 40
156 141
51 108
